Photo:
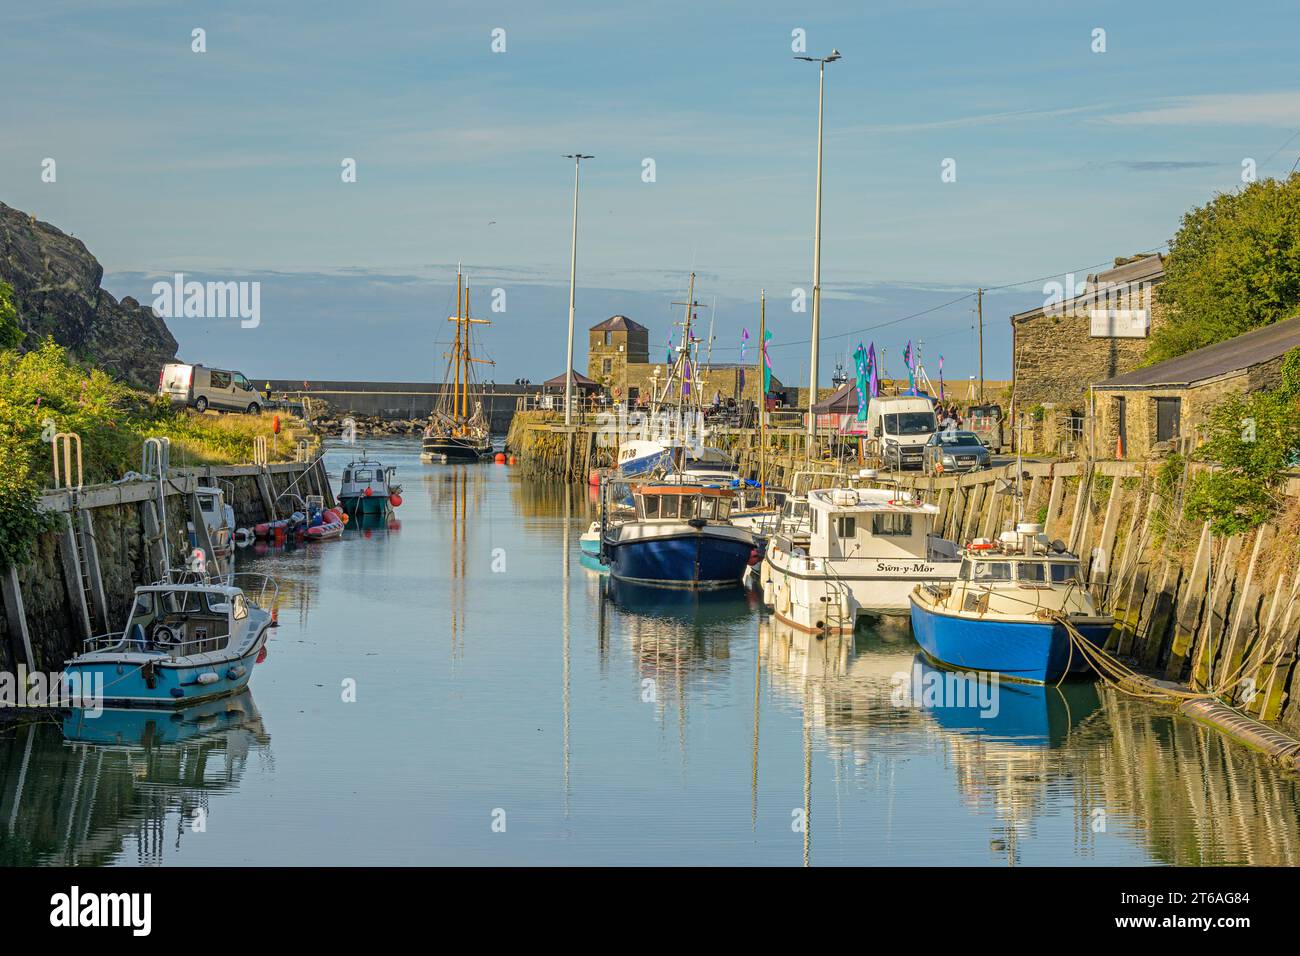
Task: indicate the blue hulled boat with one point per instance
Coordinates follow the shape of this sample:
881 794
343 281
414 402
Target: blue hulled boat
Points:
680 537
184 642
1004 612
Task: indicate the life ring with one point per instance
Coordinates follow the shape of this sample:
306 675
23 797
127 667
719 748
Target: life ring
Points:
244 537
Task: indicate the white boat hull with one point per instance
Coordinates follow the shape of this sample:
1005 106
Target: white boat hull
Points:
830 594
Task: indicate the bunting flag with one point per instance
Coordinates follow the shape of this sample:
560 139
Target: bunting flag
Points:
911 371
861 363
941 398
744 343
686 379
873 372
767 364
668 356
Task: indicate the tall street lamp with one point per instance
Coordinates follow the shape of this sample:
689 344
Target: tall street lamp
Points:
821 61
573 282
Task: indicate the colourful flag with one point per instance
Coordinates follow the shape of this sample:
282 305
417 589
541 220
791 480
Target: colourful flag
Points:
873 373
941 398
861 364
911 372
668 357
767 364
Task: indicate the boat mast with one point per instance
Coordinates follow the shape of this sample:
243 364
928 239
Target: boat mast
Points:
464 408
455 394
762 392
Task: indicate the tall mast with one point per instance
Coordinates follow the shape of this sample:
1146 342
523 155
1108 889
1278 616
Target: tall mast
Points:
762 392
455 393
464 411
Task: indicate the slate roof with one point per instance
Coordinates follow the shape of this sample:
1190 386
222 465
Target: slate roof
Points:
1235 355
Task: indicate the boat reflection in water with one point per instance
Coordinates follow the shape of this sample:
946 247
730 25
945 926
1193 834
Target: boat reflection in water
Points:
124 787
1008 711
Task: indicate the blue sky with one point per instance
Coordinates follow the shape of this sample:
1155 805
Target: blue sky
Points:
226 164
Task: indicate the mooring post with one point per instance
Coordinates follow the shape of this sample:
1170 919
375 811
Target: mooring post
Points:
16 614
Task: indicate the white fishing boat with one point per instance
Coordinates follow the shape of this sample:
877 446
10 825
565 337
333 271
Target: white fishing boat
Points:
861 553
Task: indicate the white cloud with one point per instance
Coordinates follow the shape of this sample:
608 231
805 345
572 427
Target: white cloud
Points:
1280 108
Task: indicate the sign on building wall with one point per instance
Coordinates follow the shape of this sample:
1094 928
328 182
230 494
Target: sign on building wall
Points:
1119 323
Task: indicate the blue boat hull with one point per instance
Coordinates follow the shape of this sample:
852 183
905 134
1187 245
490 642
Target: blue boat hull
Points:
697 560
1021 650
638 467
125 685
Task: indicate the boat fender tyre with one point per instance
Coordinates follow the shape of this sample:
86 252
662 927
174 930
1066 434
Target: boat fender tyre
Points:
783 599
201 404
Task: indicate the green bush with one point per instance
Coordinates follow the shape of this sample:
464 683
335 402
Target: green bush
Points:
43 392
1253 439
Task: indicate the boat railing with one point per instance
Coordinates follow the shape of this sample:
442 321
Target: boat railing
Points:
257 587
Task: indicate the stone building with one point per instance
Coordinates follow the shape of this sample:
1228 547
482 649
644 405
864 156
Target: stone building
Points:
618 357
1080 335
1165 404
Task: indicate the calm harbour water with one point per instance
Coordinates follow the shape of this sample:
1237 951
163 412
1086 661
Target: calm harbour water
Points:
499 679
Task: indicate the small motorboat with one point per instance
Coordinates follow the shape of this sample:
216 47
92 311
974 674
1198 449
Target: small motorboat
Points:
187 639
680 537
1009 609
589 541
368 488
326 524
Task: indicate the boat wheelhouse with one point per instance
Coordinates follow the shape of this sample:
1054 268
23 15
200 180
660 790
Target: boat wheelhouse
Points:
680 536
368 488
184 641
218 518
1009 608
860 553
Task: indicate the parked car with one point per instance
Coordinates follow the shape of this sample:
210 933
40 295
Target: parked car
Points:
201 388
951 452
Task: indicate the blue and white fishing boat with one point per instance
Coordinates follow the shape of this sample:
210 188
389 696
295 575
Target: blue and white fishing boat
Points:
188 639
1005 611
679 537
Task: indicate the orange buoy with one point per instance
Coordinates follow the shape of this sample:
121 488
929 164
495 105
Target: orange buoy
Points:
593 478
369 492
395 500
514 460
501 458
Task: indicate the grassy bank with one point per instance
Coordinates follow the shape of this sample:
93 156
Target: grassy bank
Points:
43 392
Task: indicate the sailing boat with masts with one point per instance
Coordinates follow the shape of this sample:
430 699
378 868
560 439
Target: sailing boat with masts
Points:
458 430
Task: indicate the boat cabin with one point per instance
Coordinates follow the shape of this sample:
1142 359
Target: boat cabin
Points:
180 620
873 523
682 503
1023 557
363 474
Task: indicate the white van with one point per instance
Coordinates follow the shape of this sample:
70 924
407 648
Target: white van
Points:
202 388
902 425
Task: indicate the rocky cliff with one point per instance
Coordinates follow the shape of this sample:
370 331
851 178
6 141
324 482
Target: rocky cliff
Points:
56 289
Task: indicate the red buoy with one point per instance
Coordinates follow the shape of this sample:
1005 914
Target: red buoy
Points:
593 478
501 458
368 492
514 460
395 500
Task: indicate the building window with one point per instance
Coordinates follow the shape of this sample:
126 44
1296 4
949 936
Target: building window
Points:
606 366
609 338
1168 414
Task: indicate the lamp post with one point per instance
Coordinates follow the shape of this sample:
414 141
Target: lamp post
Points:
573 282
821 62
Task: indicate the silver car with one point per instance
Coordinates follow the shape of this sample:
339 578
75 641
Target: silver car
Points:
953 452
